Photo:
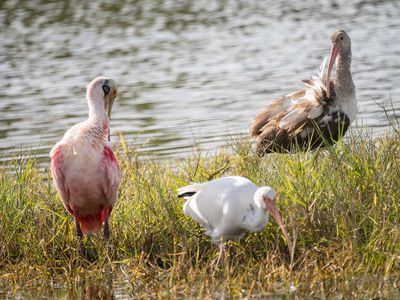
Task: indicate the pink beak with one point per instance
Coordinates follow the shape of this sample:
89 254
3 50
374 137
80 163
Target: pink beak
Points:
334 53
274 211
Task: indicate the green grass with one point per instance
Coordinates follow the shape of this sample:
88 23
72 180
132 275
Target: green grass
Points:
341 207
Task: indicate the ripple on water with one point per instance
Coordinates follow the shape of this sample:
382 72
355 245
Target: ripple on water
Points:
189 72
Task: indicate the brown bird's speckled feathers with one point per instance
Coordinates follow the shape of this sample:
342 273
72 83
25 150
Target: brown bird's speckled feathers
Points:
314 116
305 119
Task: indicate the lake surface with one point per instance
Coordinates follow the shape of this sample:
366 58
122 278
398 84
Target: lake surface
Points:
190 72
359 287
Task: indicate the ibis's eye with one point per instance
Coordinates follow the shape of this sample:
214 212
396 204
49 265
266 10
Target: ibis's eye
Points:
106 89
341 38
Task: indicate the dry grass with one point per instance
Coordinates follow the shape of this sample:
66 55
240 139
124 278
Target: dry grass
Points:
341 206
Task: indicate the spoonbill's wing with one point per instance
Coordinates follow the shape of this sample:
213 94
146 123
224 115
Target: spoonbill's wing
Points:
112 175
57 171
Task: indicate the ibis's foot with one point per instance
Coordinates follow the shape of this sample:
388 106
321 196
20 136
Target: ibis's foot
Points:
218 264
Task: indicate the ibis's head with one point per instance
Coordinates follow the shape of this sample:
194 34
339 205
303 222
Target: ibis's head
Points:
102 92
267 197
341 43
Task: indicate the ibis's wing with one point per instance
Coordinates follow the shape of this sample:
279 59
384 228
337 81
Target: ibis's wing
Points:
292 109
272 110
291 116
299 114
187 191
194 201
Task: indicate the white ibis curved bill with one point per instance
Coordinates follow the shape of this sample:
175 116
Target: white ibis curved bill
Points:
84 168
228 207
315 115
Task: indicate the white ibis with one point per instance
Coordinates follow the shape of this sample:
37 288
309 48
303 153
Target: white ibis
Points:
84 168
316 115
228 207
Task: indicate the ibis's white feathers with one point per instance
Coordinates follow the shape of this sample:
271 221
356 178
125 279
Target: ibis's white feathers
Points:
225 207
187 191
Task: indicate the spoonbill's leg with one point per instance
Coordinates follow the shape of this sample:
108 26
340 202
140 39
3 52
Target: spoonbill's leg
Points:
106 231
80 236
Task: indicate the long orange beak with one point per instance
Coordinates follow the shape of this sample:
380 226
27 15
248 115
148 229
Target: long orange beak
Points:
275 213
334 53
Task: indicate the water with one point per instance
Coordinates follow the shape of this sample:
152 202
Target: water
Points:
353 287
190 72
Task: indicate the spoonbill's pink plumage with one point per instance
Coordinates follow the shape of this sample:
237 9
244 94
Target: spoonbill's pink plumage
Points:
230 206
318 114
84 168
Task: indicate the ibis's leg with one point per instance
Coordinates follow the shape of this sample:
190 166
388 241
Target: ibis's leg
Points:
221 256
80 236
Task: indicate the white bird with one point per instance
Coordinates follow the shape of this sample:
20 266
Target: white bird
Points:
315 115
228 207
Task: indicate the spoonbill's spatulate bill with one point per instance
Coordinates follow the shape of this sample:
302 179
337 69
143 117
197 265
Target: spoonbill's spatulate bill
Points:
84 168
228 207
316 115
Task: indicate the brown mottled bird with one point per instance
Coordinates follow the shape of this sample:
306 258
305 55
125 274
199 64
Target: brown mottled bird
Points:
316 115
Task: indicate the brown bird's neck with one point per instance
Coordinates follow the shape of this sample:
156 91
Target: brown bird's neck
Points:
343 82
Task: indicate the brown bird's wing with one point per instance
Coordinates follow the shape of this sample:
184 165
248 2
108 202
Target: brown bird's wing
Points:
290 121
289 127
269 112
305 119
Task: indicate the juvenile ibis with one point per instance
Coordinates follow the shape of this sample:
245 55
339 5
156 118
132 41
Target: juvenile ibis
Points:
228 207
84 169
316 115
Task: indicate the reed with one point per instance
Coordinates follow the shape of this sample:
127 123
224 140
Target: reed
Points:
341 207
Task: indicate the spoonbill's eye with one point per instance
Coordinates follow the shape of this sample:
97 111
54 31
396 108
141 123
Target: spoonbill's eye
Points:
106 89
341 38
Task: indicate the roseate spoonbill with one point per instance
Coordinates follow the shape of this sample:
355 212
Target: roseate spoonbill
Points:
228 207
315 115
85 171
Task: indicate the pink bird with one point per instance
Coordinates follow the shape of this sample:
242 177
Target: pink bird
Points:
84 168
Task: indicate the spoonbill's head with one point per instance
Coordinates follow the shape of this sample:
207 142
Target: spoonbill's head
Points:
266 196
341 43
102 91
